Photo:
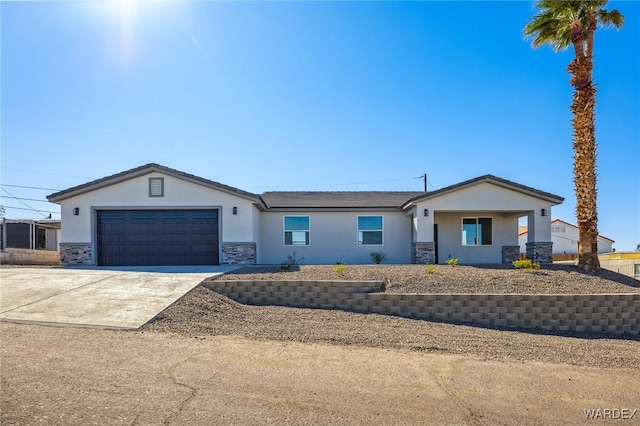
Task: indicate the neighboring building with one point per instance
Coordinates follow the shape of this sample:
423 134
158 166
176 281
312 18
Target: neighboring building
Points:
31 234
623 263
565 239
29 241
154 215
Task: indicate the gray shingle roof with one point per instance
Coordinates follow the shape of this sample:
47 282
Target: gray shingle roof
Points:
556 199
141 171
338 199
306 199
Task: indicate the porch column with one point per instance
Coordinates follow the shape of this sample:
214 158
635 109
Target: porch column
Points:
423 249
539 245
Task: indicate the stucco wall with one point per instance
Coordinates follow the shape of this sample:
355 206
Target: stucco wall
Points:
334 238
485 197
505 232
134 193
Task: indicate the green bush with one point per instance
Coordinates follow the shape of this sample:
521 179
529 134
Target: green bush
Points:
378 257
453 261
431 269
526 264
285 266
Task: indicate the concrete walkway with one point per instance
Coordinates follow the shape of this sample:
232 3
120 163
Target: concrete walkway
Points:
119 297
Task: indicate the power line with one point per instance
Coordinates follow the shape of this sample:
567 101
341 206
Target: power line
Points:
27 199
29 187
22 208
22 202
42 173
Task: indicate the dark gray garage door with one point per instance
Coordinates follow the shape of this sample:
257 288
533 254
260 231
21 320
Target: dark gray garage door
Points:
158 237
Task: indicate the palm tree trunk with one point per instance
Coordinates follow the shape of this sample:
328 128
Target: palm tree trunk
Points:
584 166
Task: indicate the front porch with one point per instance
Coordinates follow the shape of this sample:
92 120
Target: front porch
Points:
478 237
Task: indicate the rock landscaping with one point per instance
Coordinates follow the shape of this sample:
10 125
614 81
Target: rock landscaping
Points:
204 312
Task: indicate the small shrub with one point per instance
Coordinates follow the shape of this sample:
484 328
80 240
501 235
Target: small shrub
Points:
378 257
339 270
452 261
285 266
526 264
431 269
293 260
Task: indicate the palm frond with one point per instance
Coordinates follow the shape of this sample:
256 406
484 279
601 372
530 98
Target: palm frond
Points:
552 24
612 19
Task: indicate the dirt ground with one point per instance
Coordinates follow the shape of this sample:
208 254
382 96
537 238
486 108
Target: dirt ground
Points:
74 376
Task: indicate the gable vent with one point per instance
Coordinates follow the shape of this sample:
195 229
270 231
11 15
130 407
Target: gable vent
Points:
156 187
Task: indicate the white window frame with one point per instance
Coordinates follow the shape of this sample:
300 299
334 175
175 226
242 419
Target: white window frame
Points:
476 218
370 230
284 231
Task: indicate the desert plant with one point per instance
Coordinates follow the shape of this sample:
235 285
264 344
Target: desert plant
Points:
285 266
293 260
378 257
526 264
339 270
561 24
430 269
452 261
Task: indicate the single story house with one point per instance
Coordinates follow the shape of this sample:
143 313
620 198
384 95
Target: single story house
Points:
155 215
564 237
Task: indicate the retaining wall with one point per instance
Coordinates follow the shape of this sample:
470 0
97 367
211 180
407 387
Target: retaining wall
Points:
608 313
16 256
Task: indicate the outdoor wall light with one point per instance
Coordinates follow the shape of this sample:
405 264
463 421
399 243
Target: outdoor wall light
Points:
543 212
426 212
235 210
76 211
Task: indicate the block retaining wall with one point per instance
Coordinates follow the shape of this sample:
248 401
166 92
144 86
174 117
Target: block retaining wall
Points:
15 256
606 313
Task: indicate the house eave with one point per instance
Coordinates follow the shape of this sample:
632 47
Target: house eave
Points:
145 170
333 209
503 183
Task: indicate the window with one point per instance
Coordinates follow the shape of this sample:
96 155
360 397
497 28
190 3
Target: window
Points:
636 269
296 230
369 230
477 231
557 229
156 187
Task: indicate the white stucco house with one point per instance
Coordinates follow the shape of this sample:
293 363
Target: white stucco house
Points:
564 237
155 215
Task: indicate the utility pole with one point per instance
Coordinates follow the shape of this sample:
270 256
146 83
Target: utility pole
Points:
424 178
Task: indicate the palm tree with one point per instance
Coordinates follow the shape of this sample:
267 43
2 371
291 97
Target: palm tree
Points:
560 24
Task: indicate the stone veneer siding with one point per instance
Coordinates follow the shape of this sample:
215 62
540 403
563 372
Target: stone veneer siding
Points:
540 252
424 253
238 253
608 313
75 254
510 253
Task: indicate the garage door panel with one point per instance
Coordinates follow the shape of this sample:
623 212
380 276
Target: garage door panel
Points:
158 237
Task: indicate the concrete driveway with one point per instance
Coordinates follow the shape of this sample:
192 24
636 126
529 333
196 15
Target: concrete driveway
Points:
119 297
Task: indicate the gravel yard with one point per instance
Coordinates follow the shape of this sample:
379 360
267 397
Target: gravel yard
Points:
204 312
552 279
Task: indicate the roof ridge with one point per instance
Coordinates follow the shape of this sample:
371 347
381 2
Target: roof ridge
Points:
115 178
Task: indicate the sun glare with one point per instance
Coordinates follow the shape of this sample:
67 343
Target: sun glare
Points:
125 11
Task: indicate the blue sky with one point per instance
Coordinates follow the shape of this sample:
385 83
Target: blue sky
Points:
309 96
